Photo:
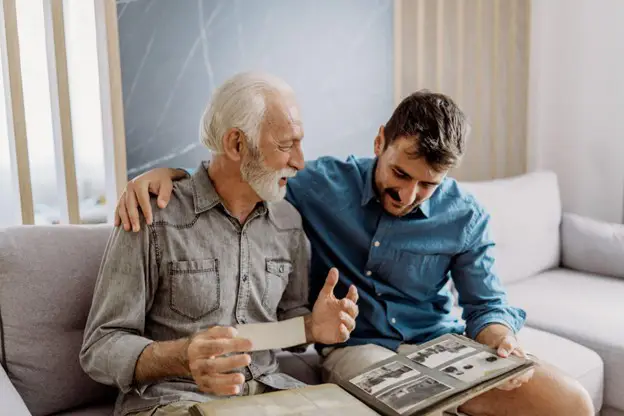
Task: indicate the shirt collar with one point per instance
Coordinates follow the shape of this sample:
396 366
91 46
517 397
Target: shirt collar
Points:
425 208
205 196
368 193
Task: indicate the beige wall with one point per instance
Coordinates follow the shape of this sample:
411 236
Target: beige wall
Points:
476 51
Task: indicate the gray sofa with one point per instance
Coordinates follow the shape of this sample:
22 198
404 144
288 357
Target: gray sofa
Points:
566 271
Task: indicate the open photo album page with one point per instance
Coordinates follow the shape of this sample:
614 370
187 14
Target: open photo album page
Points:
420 378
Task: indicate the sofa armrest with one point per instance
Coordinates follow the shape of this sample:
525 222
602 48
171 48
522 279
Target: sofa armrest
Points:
592 246
12 403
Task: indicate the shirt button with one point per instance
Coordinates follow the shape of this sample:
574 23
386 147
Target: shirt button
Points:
379 294
368 272
393 321
281 268
244 278
377 244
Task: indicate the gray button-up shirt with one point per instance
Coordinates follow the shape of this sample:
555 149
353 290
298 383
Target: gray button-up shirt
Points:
194 268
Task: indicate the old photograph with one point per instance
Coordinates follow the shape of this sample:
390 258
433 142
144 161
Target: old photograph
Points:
385 376
438 354
410 394
478 366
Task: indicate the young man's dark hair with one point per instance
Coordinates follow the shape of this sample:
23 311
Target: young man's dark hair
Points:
437 124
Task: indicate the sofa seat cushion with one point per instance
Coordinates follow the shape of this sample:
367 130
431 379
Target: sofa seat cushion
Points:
305 367
576 360
584 308
47 275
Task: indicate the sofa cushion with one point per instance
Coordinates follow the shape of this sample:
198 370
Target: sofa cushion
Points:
526 214
304 366
573 359
576 360
610 411
47 275
584 308
592 246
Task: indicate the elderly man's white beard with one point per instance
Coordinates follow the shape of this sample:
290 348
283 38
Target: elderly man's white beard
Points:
265 181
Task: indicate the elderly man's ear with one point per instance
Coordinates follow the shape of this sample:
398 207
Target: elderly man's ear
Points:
233 144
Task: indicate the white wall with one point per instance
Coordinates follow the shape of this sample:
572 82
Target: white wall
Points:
576 102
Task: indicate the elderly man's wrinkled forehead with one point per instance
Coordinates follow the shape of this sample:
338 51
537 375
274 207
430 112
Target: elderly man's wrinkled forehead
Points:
282 119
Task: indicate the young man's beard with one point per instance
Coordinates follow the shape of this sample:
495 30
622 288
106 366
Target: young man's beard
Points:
263 180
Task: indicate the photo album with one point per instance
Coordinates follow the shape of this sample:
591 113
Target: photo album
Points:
432 377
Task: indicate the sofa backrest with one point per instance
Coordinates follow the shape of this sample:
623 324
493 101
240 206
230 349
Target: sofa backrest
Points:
47 276
525 217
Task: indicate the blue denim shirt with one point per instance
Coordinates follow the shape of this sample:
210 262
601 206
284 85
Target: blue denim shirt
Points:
401 266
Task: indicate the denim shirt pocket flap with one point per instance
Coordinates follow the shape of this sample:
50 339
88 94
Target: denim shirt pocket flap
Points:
281 268
193 266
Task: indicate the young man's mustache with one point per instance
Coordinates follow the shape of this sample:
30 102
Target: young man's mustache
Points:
393 194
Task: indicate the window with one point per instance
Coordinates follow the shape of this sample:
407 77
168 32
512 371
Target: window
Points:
58 62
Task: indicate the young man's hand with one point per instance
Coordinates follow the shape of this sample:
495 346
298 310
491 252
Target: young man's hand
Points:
332 319
157 181
501 338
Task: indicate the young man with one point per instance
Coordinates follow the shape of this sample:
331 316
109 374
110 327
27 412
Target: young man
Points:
226 251
398 229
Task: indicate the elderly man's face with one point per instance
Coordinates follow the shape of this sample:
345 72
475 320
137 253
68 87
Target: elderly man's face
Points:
279 155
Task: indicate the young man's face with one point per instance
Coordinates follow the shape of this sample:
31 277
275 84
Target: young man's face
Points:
402 182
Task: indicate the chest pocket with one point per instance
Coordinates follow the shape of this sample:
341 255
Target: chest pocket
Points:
277 272
420 275
194 289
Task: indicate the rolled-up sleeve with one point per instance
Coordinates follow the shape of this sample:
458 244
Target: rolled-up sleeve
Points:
294 300
113 338
481 294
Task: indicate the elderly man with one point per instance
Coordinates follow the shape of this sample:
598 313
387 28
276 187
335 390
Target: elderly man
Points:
399 228
226 251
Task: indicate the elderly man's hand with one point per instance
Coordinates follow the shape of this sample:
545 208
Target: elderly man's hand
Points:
332 319
157 181
210 364
504 341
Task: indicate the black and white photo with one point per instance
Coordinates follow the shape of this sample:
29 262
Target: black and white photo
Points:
413 392
477 367
440 353
385 376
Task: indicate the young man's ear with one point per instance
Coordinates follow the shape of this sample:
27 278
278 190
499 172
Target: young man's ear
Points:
380 141
233 144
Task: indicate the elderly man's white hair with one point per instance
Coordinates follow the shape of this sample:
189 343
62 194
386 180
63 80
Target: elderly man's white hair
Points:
240 102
